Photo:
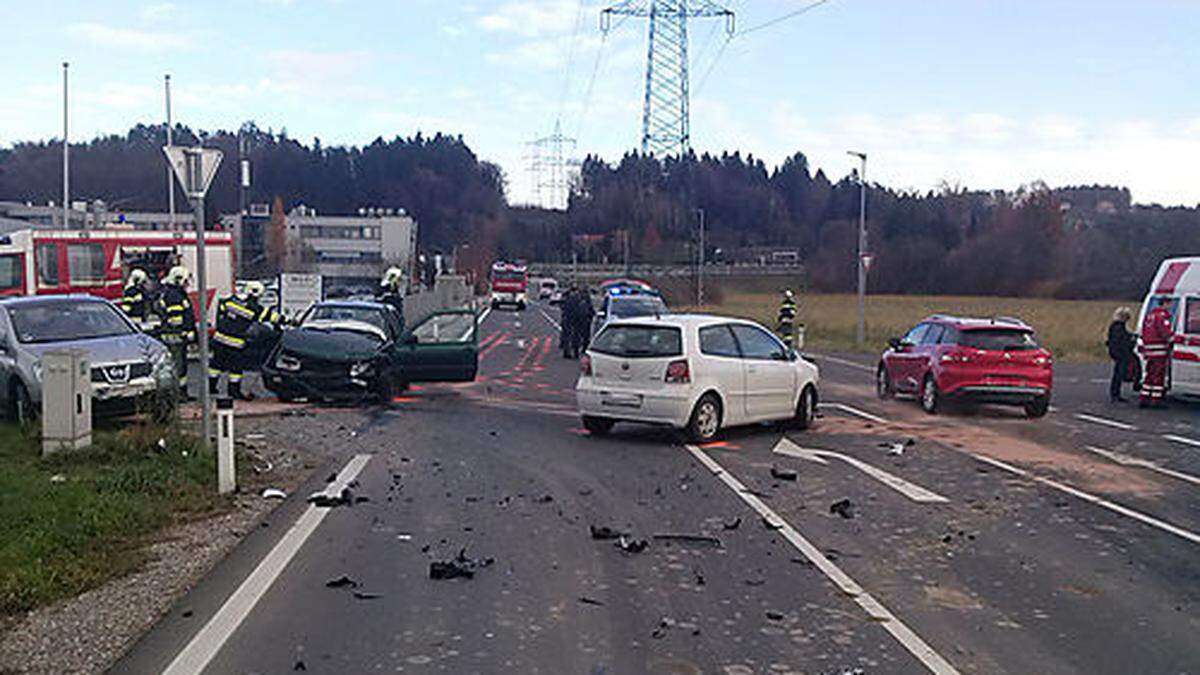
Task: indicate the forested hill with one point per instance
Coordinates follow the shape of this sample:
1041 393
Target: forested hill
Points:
438 179
1071 242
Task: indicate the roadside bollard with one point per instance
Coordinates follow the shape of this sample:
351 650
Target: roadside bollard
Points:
799 336
226 476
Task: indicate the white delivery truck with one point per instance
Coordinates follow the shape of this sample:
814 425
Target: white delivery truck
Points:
1178 280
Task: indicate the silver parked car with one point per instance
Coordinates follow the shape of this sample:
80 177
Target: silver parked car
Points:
130 370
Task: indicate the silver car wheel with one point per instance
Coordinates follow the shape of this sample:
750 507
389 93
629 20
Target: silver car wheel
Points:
707 419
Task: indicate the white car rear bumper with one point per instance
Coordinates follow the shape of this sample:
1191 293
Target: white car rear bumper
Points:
653 407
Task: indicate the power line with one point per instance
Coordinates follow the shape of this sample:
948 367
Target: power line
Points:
562 96
780 19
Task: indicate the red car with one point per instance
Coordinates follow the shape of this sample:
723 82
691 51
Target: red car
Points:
974 360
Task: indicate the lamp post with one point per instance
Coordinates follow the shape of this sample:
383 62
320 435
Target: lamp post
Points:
66 182
861 268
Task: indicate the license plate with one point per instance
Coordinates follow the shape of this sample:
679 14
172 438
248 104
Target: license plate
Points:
621 400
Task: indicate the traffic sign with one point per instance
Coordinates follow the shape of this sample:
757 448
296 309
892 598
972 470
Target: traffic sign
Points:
193 167
867 258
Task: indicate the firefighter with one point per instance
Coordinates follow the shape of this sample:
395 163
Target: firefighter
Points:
786 326
391 289
236 316
174 306
135 299
1156 350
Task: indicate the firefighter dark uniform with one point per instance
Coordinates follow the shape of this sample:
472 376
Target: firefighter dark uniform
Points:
393 298
786 325
235 317
1156 350
136 304
178 327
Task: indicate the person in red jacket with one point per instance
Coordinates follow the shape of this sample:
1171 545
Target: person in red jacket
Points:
1156 350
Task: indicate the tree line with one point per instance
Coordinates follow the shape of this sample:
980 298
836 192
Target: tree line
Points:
1086 241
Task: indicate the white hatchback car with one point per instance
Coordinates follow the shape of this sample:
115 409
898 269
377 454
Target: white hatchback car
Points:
693 372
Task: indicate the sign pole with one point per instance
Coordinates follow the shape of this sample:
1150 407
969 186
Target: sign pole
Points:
202 304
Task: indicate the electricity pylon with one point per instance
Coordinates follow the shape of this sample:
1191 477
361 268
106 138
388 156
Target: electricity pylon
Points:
548 164
666 129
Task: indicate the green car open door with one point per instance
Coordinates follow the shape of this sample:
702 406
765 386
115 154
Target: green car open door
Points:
443 347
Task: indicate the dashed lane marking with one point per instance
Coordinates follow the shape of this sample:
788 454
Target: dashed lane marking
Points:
855 411
914 492
206 643
874 609
1126 460
487 311
1115 424
847 362
546 316
1182 439
1098 501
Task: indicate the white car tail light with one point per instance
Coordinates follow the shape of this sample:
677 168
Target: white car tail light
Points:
585 365
678 372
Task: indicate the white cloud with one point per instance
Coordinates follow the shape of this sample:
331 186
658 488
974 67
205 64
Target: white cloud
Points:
120 37
987 127
1057 128
159 11
531 19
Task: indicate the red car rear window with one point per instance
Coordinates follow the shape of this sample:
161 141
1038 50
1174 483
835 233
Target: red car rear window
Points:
998 339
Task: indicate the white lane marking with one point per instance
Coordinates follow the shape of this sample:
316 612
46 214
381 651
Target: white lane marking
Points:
1105 421
484 314
546 316
874 609
1098 501
847 362
855 411
914 492
195 657
1182 439
1126 460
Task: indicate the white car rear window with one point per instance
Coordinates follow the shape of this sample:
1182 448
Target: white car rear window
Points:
639 341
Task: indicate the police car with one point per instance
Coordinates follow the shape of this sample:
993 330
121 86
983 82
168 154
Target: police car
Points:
626 299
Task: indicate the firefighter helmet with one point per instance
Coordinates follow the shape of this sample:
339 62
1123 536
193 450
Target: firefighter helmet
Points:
255 289
178 276
392 278
137 277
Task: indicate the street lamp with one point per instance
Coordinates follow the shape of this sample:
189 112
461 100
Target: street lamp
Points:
862 246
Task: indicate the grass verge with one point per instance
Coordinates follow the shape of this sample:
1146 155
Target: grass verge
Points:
1073 329
76 519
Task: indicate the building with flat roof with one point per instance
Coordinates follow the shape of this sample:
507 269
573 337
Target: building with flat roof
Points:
349 251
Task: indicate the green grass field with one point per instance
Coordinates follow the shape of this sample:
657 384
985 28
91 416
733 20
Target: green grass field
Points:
1073 329
76 519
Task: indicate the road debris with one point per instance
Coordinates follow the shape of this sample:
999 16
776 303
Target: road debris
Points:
58 478
605 532
544 499
630 545
331 477
341 582
843 508
774 616
700 581
690 539
783 474
300 666
664 624
273 493
733 525
326 500
364 595
771 526
460 566
590 601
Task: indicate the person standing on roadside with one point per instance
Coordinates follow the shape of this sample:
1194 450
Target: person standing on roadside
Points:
1156 350
569 321
786 326
583 330
1120 349
178 331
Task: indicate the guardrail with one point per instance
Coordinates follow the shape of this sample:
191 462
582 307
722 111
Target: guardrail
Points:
594 271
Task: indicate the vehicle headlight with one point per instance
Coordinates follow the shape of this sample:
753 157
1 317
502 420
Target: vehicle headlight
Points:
161 362
288 363
37 370
360 369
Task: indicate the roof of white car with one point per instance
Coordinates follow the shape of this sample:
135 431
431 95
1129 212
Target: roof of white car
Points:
681 320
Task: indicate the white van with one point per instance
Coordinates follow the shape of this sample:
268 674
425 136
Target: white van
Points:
1179 280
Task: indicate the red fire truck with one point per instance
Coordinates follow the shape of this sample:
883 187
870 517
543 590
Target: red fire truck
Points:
510 285
96 262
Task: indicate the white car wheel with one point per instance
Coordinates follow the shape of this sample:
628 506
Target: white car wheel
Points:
705 422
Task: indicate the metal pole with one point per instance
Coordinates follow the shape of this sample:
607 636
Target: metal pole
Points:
700 271
66 184
860 335
202 304
170 178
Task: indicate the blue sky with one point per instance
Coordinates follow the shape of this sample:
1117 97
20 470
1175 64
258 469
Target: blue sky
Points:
983 93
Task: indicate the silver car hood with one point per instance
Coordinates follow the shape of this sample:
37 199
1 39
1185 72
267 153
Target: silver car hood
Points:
133 347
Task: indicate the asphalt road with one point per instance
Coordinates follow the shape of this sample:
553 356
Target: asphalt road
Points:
989 544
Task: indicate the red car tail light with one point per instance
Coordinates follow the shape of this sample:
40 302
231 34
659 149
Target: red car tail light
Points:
678 372
956 356
585 365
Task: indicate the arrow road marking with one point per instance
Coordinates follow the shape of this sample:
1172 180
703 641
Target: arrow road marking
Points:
1126 460
935 662
913 492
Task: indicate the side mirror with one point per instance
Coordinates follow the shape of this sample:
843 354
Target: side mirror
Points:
409 339
895 343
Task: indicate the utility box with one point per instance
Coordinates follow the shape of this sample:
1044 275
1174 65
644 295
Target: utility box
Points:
66 400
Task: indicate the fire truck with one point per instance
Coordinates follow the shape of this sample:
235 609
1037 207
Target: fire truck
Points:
510 285
97 262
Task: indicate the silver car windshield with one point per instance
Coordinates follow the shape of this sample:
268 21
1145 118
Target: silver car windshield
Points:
66 321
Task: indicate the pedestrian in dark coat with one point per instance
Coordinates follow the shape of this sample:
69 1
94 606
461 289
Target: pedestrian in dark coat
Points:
569 321
583 331
1120 349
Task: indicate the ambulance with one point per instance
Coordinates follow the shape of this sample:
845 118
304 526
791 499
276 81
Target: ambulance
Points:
97 262
1178 280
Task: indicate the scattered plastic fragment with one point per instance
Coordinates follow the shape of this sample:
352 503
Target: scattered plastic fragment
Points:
771 526
733 525
274 493
58 478
364 595
604 532
590 601
690 539
783 474
630 545
342 582
774 616
843 508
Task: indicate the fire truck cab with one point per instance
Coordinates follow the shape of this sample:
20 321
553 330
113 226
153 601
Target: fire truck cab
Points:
97 262
510 285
